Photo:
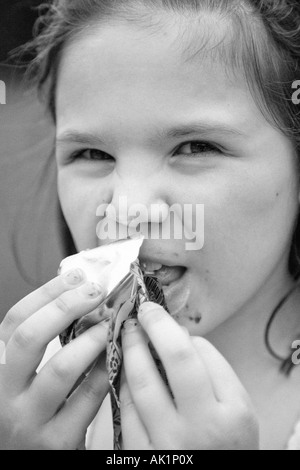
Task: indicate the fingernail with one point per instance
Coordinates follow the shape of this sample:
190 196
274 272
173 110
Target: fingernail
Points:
130 325
74 277
91 290
148 307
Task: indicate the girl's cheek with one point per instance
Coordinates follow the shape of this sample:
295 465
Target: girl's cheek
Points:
249 220
79 202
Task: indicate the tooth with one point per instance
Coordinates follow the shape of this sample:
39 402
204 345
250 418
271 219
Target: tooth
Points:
150 266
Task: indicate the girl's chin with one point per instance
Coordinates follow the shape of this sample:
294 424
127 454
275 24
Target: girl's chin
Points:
188 307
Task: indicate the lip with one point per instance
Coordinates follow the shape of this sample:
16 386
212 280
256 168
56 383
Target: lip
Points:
177 294
160 260
157 260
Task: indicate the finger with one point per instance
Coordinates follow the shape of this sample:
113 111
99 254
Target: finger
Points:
38 299
227 386
187 374
149 393
83 405
134 434
57 378
28 343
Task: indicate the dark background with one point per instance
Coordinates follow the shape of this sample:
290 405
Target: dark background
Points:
30 231
16 22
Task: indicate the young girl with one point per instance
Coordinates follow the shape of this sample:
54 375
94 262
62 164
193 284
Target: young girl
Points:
171 102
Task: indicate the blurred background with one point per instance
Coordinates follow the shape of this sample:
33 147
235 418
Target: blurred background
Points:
30 231
16 22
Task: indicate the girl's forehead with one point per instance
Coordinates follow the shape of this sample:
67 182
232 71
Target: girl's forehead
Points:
130 73
172 52
183 38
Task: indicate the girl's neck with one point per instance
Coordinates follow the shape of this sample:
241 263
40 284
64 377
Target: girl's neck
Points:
241 338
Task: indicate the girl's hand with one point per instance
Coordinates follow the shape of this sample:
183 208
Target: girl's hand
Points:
209 408
34 411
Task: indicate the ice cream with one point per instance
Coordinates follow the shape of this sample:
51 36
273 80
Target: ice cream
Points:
106 265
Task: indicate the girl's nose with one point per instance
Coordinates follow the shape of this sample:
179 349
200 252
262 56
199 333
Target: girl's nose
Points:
137 201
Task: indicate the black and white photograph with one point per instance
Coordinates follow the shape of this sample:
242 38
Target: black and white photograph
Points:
150 227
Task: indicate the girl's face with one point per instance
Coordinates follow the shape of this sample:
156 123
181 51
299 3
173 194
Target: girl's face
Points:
136 120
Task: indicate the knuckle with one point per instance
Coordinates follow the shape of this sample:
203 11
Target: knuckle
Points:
182 355
90 391
126 402
215 431
46 291
24 337
13 317
243 412
63 304
139 381
60 371
244 427
247 418
98 335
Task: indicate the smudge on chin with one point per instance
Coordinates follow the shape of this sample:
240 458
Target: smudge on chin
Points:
196 319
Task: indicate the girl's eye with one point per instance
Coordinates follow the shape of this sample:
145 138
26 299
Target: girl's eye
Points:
91 155
197 148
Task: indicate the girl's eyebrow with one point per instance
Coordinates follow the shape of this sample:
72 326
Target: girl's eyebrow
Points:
73 136
87 138
201 128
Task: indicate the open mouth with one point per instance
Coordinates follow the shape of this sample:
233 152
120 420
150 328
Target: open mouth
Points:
165 274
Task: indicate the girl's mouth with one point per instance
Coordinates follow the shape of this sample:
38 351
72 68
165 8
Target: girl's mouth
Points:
168 274
176 284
